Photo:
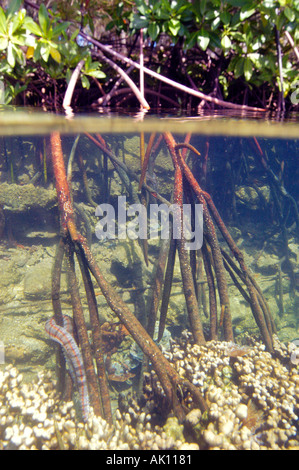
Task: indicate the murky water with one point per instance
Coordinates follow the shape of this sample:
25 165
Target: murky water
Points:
234 297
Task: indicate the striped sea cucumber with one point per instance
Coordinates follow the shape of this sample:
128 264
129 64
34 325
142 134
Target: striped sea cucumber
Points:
64 336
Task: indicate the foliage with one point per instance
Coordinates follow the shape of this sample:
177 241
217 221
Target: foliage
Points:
27 46
243 31
237 36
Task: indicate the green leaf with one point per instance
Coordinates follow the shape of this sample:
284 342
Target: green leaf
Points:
32 26
92 65
109 26
19 55
87 65
68 75
239 67
226 42
202 6
96 73
10 55
225 17
203 39
14 5
255 58
3 22
280 21
245 13
55 54
153 31
45 51
85 82
142 8
290 14
139 22
248 69
14 24
191 40
3 43
57 30
162 15
43 19
215 23
237 3
174 26
18 39
30 41
75 34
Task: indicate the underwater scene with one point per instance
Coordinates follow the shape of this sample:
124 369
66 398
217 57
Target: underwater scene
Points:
149 288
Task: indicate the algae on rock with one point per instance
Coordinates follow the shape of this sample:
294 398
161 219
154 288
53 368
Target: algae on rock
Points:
16 198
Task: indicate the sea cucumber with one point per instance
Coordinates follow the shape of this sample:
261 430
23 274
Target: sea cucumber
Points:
64 336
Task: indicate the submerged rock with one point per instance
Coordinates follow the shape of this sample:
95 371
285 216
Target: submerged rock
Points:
173 429
266 264
17 198
253 197
37 282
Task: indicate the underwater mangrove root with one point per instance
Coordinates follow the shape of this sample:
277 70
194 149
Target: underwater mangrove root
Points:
214 259
279 195
168 377
157 289
212 238
255 297
66 248
73 242
127 173
187 278
167 287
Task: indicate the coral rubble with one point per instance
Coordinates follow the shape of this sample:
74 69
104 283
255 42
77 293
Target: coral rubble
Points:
31 418
252 396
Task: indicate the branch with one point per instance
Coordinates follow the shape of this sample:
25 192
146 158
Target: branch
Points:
141 74
292 44
114 93
71 86
122 73
156 75
281 102
114 90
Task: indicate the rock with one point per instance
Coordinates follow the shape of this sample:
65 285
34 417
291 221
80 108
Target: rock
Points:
193 417
8 274
37 282
266 264
227 427
127 261
212 439
187 446
41 234
173 429
252 198
241 411
16 198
